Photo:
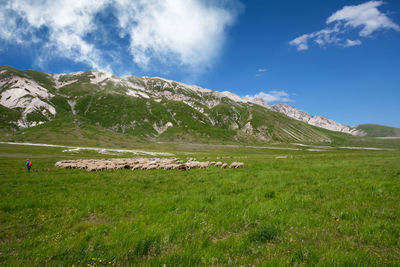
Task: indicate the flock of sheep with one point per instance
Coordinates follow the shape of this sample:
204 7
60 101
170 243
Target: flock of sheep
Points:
142 164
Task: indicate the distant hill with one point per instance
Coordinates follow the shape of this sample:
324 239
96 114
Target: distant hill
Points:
375 130
95 106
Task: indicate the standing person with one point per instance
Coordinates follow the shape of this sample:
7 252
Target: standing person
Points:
28 165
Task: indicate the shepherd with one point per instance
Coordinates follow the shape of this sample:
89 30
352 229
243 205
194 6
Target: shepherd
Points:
28 165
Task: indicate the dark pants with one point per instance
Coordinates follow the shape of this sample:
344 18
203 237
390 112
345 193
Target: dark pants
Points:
29 168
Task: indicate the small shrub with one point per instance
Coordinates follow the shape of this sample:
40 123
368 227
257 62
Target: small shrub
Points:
270 194
149 245
6 208
264 232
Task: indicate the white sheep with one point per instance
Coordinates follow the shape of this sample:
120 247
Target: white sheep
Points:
236 165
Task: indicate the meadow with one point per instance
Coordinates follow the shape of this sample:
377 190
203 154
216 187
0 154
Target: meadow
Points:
284 208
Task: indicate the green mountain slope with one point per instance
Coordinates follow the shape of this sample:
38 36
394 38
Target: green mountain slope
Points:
375 130
96 107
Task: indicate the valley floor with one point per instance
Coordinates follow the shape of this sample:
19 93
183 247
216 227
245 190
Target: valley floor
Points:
285 207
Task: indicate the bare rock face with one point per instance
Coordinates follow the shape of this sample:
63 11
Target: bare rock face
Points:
28 95
329 124
292 112
318 121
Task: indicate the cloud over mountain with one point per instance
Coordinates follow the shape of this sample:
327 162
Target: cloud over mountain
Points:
273 96
185 33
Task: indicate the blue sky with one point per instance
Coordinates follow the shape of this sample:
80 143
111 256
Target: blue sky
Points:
339 59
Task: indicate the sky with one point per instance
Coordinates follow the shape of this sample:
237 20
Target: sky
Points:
339 59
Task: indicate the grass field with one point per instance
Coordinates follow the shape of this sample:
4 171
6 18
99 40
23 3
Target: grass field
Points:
331 208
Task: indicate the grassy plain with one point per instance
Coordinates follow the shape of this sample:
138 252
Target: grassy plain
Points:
324 208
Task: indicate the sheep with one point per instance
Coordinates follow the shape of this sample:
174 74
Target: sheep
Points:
67 165
100 167
110 167
152 167
167 167
142 163
204 165
240 165
119 166
127 166
91 168
236 165
172 166
58 164
81 166
136 167
192 164
181 167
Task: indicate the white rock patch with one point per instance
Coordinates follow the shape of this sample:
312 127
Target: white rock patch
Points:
25 124
133 93
163 128
100 76
28 95
59 84
248 128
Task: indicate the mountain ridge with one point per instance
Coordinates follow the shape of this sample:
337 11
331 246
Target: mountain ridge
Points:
319 121
150 108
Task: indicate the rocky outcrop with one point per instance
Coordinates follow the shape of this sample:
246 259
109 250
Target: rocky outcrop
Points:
27 95
318 121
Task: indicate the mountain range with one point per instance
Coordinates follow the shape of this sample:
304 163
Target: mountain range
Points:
92 104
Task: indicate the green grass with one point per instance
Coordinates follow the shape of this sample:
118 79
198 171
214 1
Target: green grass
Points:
334 208
7 116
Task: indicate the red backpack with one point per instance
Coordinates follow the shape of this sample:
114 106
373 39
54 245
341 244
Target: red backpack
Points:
30 163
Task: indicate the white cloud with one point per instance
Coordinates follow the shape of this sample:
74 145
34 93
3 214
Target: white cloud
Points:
186 33
260 72
67 23
189 31
352 43
301 42
322 37
273 96
366 18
